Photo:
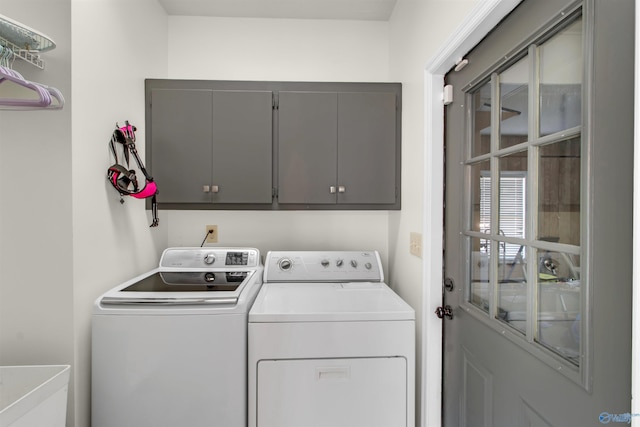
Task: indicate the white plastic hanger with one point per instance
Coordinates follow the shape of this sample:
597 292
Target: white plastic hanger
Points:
45 94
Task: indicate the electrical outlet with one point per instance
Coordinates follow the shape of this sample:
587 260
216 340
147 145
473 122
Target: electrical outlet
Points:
415 244
212 234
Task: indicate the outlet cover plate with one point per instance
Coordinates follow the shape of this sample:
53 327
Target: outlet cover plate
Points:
212 237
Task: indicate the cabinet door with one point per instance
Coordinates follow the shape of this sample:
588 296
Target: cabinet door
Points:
181 150
242 146
307 147
367 147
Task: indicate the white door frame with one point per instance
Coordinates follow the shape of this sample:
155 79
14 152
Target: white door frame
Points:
484 17
635 326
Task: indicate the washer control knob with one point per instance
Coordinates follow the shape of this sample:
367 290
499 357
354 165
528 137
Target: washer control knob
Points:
325 263
209 277
209 259
285 264
368 266
354 263
339 262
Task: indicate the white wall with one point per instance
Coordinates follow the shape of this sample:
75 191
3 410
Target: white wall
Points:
116 45
36 283
417 31
277 49
284 230
281 50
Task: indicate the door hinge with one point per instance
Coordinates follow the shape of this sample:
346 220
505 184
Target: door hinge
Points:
275 104
274 193
445 311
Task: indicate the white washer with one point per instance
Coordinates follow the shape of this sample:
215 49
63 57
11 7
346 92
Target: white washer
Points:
330 344
169 347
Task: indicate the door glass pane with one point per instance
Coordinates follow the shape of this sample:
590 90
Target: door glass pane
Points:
514 104
512 196
512 287
559 307
524 185
479 273
512 290
561 80
535 292
481 138
559 192
481 196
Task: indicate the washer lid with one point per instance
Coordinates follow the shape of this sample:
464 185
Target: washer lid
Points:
328 302
181 288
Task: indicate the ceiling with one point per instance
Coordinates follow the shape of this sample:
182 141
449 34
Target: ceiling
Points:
363 10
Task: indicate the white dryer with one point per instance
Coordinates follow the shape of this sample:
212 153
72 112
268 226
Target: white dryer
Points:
169 347
330 344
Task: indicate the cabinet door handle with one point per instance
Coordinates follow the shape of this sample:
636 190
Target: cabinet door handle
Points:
206 189
341 189
332 189
214 188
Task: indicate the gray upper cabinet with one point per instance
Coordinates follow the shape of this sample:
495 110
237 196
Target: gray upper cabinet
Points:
211 146
242 148
182 150
236 145
337 147
307 147
367 148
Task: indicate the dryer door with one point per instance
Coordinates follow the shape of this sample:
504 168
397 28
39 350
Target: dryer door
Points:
349 392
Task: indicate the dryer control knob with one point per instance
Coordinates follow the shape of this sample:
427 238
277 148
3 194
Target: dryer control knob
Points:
339 263
368 266
285 264
354 263
209 258
325 263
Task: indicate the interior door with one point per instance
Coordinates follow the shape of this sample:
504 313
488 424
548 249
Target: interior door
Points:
539 147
